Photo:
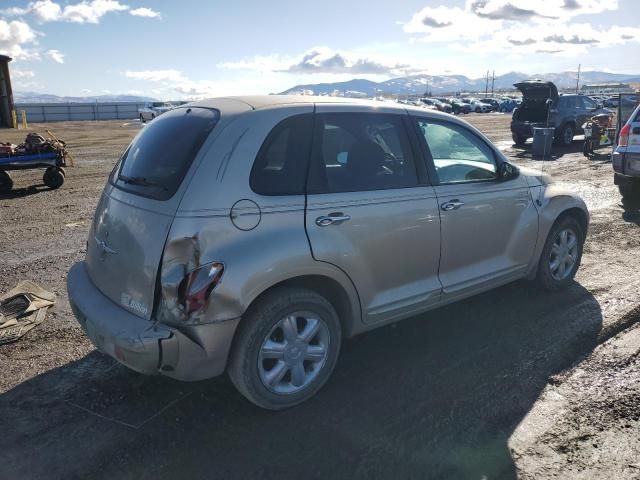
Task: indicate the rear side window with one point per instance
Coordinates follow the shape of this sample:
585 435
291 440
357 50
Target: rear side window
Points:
281 165
157 160
356 152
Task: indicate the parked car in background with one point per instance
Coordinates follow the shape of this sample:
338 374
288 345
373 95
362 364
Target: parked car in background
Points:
154 109
477 106
458 106
494 102
507 105
542 105
251 234
626 158
440 105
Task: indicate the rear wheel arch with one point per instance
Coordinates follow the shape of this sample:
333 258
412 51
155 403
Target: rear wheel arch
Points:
347 308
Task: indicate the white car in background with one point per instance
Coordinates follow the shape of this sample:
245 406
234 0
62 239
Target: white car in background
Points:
154 109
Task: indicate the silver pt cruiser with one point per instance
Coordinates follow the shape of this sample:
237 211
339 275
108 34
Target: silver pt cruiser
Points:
251 234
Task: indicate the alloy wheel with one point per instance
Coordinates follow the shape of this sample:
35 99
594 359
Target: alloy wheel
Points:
564 254
293 353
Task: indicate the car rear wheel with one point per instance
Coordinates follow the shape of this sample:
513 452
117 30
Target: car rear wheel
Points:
518 139
142 118
286 348
629 190
566 135
561 255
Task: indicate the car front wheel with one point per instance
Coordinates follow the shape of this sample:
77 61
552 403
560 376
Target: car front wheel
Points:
561 254
286 348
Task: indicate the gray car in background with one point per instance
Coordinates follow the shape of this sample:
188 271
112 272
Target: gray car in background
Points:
626 158
252 234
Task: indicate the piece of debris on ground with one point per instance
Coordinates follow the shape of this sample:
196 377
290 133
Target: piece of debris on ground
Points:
22 309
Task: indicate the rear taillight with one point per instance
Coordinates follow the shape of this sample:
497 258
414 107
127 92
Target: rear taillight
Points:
623 140
197 285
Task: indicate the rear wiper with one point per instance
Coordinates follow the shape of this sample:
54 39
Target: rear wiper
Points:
141 181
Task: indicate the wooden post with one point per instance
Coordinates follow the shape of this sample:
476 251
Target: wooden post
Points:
25 125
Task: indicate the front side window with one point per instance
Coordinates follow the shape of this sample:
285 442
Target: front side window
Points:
361 151
458 155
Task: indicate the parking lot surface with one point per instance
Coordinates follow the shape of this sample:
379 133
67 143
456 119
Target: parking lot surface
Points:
440 395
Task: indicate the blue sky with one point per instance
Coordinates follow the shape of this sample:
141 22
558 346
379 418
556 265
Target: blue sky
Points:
182 49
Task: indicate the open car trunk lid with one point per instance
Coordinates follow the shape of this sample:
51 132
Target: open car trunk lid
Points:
136 210
537 89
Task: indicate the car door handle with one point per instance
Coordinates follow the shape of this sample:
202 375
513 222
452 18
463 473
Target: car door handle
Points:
451 205
332 219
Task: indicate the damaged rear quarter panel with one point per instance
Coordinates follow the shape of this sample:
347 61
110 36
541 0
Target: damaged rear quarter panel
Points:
275 250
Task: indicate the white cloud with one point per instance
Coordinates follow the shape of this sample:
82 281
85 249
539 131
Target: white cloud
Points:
55 55
22 74
14 36
515 27
46 10
175 84
157 75
86 11
86 90
144 12
322 60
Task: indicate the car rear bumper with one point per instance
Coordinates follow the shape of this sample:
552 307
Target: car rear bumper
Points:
191 352
626 163
525 129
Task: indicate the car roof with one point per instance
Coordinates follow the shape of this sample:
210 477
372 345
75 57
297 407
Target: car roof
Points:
266 101
239 104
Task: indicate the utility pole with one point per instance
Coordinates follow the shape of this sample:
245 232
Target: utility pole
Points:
486 85
578 79
493 79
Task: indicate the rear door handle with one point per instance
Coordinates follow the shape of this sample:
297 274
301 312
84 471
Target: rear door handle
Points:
451 205
332 219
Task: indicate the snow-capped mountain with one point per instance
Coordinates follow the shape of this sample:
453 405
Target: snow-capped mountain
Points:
442 84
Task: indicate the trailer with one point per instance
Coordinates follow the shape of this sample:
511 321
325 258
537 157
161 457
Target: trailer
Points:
51 156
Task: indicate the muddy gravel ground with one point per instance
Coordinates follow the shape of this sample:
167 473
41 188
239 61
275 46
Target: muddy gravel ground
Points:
461 392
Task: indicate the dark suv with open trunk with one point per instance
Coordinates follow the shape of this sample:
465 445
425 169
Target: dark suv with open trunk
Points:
542 106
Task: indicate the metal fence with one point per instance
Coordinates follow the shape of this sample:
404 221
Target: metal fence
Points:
59 112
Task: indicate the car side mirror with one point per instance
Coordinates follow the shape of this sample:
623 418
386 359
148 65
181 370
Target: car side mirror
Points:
507 171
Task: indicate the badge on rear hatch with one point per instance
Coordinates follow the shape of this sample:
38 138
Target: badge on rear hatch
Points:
131 304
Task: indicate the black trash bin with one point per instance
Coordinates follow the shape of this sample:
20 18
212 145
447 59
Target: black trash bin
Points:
542 140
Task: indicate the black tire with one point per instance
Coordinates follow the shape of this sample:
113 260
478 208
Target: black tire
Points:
518 139
629 190
587 148
153 115
142 120
6 183
53 177
566 134
258 323
544 276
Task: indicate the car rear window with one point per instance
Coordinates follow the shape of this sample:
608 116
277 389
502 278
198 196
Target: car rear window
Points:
157 160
